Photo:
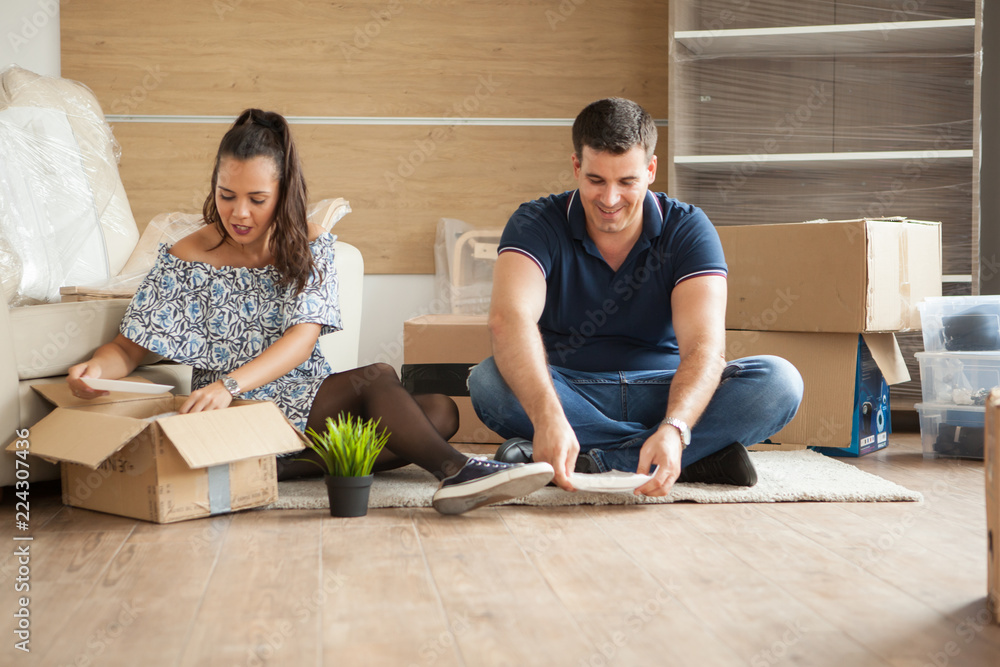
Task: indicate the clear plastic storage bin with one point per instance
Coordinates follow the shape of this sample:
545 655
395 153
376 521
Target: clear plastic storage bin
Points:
950 431
464 258
958 378
960 323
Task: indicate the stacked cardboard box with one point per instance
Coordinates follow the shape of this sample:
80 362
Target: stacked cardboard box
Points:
828 296
438 352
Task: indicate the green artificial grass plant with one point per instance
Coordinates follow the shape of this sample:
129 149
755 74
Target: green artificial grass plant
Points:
349 447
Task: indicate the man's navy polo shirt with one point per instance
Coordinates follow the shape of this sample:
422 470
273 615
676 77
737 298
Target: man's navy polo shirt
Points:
596 319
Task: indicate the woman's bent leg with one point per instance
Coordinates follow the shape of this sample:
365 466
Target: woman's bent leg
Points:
374 392
442 413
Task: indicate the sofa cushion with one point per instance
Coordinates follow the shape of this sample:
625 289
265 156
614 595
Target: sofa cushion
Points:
341 347
49 338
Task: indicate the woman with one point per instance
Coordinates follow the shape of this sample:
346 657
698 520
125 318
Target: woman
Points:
244 301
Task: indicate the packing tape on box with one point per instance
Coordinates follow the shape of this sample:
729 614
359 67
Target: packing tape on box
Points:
218 489
447 379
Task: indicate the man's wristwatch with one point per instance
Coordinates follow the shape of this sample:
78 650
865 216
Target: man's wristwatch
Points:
680 426
231 385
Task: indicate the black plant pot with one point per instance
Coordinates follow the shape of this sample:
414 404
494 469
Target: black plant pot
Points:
348 495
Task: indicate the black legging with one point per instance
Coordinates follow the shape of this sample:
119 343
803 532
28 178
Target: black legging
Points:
419 426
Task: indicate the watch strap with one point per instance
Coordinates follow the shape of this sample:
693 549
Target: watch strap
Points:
681 427
231 385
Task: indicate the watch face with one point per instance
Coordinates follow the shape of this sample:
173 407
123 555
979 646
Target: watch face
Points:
682 428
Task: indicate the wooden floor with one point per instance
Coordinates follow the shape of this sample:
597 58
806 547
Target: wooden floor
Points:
770 584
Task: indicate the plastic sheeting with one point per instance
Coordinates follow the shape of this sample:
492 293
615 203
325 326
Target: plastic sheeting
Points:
64 217
898 97
47 211
784 111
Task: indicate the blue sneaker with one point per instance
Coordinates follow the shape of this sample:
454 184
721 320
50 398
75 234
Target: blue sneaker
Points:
482 482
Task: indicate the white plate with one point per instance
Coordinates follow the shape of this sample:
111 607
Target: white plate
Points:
616 480
101 384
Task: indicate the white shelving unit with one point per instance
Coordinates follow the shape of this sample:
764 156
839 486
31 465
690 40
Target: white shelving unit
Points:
896 112
857 38
846 160
868 111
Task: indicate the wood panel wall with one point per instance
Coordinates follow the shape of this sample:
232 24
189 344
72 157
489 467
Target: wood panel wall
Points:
457 59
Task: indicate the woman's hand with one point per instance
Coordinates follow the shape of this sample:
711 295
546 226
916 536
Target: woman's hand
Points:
111 361
212 397
77 380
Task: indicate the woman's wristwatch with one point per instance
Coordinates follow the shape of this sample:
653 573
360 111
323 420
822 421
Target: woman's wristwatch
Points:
231 385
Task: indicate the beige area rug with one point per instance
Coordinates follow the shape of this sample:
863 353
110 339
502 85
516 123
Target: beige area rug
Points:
782 477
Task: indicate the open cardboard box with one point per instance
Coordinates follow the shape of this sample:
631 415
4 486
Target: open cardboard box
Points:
115 460
845 405
847 276
438 352
992 467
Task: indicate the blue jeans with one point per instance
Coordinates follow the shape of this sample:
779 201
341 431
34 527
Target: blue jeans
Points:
613 413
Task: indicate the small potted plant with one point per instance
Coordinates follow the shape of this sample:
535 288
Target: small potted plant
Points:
348 450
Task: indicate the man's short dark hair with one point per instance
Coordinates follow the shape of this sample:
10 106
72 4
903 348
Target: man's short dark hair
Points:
614 125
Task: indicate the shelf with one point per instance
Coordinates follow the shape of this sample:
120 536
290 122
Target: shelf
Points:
712 163
856 38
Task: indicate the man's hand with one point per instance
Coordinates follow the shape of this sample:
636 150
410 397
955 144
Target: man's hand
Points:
662 449
212 397
555 443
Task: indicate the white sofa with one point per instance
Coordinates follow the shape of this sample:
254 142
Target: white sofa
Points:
38 343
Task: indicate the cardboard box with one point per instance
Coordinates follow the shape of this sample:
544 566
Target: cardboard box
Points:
847 276
438 352
845 405
992 467
115 460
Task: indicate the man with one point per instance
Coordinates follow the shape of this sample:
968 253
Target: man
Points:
608 328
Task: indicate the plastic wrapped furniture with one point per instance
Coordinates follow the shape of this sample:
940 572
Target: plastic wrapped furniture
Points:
63 210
